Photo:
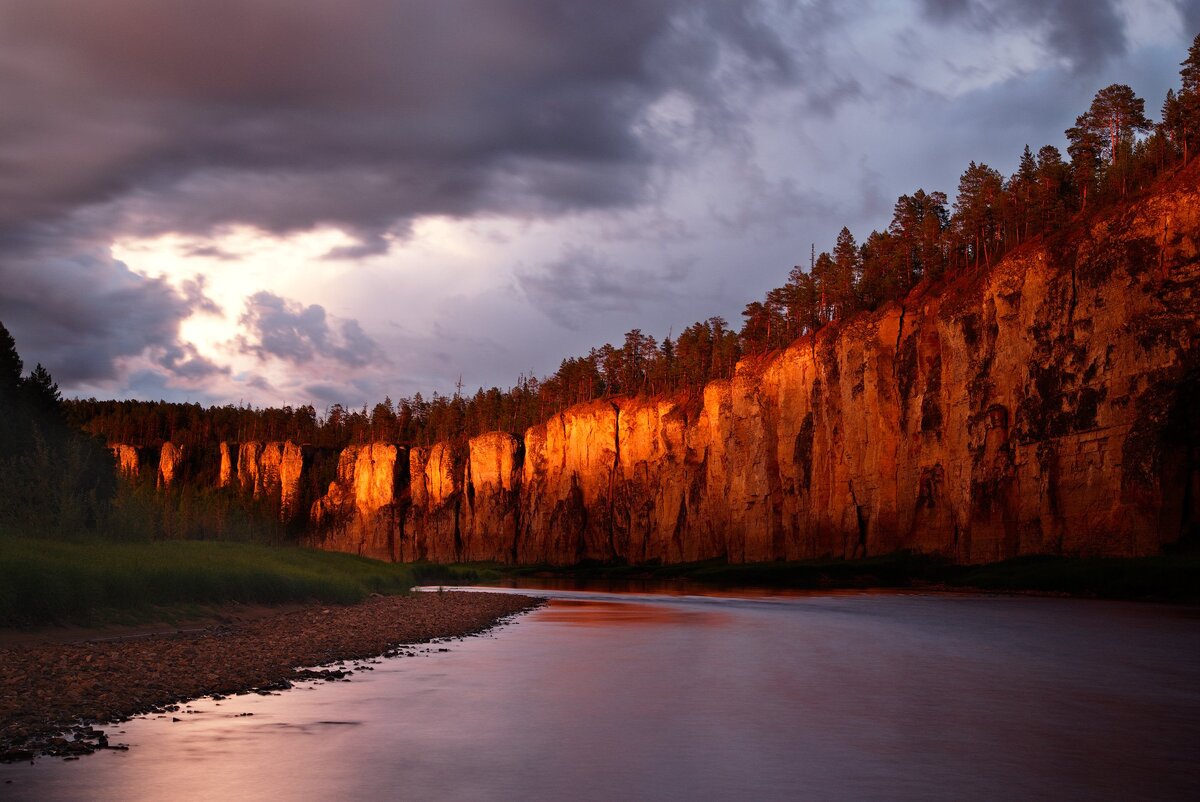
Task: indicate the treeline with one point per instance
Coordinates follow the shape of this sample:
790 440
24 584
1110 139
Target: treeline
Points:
60 482
704 351
54 479
1114 150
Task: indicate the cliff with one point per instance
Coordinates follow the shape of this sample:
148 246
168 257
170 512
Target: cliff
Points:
1048 405
127 460
264 469
362 511
170 463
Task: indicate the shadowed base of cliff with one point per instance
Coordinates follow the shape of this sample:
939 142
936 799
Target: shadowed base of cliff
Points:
1173 576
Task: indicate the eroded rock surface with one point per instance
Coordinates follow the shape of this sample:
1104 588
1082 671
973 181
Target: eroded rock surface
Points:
491 508
363 510
128 463
267 469
1049 405
225 471
170 464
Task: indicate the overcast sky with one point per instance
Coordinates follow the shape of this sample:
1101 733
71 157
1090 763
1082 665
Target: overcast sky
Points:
294 201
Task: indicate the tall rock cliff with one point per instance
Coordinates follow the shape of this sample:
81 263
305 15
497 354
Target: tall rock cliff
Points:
490 511
363 510
566 488
127 459
170 465
432 527
225 470
1048 405
264 469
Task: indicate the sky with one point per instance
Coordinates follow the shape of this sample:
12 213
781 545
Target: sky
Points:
305 201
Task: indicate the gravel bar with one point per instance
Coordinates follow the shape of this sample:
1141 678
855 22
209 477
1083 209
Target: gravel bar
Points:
51 694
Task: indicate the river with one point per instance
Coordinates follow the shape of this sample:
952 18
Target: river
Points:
741 696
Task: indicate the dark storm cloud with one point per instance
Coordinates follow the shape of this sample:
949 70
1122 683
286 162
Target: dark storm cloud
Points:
185 362
136 117
299 334
79 311
1088 33
291 113
1189 10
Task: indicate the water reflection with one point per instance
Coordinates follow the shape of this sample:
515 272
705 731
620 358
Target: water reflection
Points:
644 696
592 613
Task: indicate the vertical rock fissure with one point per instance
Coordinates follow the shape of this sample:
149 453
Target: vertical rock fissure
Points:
612 482
860 549
518 479
1074 298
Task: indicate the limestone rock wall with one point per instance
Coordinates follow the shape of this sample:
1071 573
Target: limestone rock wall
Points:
128 463
1049 405
363 510
490 513
170 464
432 526
225 470
264 469
566 487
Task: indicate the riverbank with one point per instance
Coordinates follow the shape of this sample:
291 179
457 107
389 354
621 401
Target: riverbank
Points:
49 688
100 582
1164 578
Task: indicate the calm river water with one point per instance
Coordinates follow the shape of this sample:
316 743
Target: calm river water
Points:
606 696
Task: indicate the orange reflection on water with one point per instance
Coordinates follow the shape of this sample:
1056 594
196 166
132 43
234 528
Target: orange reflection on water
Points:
591 613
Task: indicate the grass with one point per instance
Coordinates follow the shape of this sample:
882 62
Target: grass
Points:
46 581
89 582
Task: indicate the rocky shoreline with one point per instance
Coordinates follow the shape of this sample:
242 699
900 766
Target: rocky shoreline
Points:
52 694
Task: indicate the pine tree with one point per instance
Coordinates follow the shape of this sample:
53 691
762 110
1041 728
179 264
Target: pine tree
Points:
1119 113
1172 124
1084 149
847 269
1022 187
10 364
42 393
1188 99
976 211
1053 179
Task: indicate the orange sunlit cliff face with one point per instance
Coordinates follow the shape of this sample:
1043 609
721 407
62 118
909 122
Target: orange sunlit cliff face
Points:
1042 406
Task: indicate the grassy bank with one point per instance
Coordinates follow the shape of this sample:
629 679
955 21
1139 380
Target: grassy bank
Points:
44 581
1173 578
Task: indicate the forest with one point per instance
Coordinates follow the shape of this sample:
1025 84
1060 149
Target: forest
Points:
1114 151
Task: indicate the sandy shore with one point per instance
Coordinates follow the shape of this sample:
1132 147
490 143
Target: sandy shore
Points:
49 688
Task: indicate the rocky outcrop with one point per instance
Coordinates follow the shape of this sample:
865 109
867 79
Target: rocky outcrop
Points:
1048 405
128 464
225 470
267 469
170 464
490 512
566 489
363 510
432 525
